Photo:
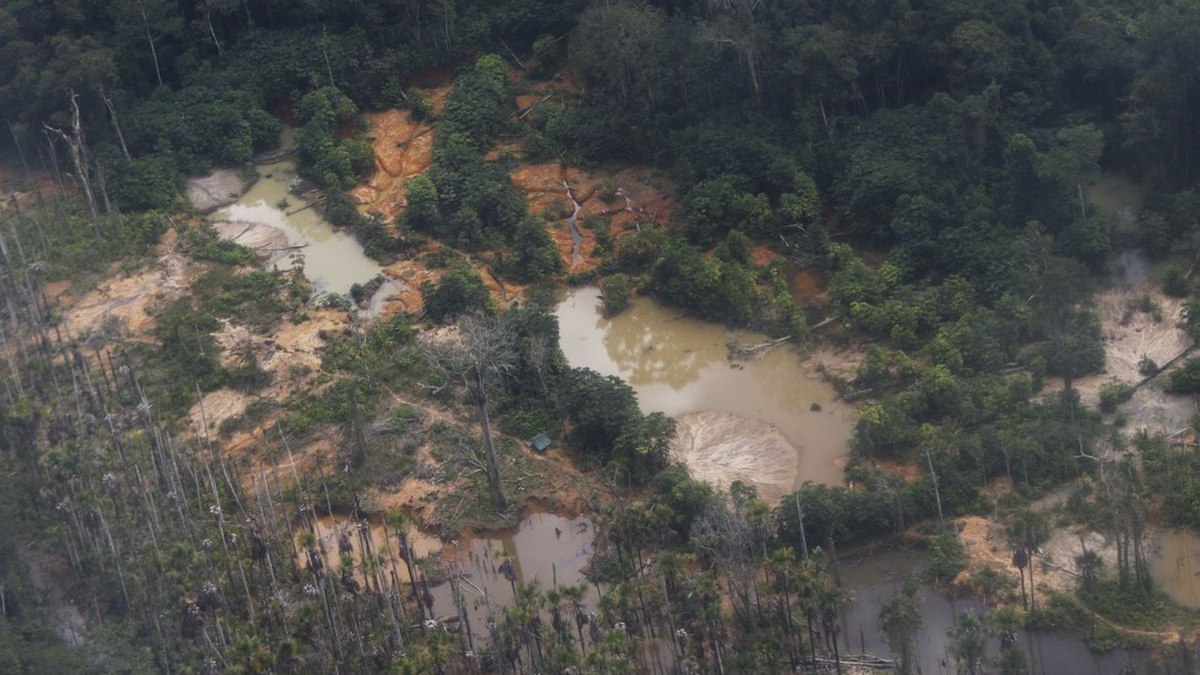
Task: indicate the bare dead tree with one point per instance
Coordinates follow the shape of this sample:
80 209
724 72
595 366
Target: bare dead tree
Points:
77 146
479 360
116 123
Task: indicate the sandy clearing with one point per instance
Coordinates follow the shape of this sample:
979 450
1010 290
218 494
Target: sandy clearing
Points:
720 448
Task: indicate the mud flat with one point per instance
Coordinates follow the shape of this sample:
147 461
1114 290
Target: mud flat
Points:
219 188
679 366
1175 566
720 448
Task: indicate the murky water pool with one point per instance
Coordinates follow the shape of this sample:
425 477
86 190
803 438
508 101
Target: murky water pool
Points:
332 259
547 549
874 579
680 365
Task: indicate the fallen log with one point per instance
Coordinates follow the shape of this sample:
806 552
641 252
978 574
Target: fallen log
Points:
741 350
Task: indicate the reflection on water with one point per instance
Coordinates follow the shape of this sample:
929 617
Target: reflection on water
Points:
1175 566
881 575
680 365
547 549
332 259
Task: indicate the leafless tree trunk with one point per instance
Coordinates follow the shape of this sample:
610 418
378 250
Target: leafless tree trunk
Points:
77 146
151 40
116 123
483 357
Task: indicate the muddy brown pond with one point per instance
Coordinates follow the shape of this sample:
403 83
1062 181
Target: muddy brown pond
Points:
1175 566
679 365
332 259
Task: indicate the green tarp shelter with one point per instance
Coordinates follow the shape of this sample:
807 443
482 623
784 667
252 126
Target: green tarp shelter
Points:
540 442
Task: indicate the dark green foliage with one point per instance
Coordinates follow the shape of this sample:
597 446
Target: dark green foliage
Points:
946 558
476 106
535 255
141 184
459 291
198 128
685 497
1175 475
1175 284
1113 394
420 107
476 202
186 355
253 298
1185 378
143 230
1081 349
835 513
722 291
715 207
609 426
615 294
204 244
336 162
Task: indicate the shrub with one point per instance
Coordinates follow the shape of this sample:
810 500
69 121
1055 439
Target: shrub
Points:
1174 283
946 558
460 291
1114 393
420 106
615 292
1186 378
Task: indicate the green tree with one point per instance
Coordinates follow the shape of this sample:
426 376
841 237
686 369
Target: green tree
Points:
901 619
1073 157
968 642
460 291
535 255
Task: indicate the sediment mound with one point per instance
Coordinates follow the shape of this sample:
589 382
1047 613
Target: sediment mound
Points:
720 448
219 188
261 238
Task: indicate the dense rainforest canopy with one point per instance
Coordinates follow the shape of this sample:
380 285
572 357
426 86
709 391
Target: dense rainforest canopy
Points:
930 161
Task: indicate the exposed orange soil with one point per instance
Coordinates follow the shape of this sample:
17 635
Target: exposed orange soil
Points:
761 256
543 188
635 202
808 289
409 274
403 148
